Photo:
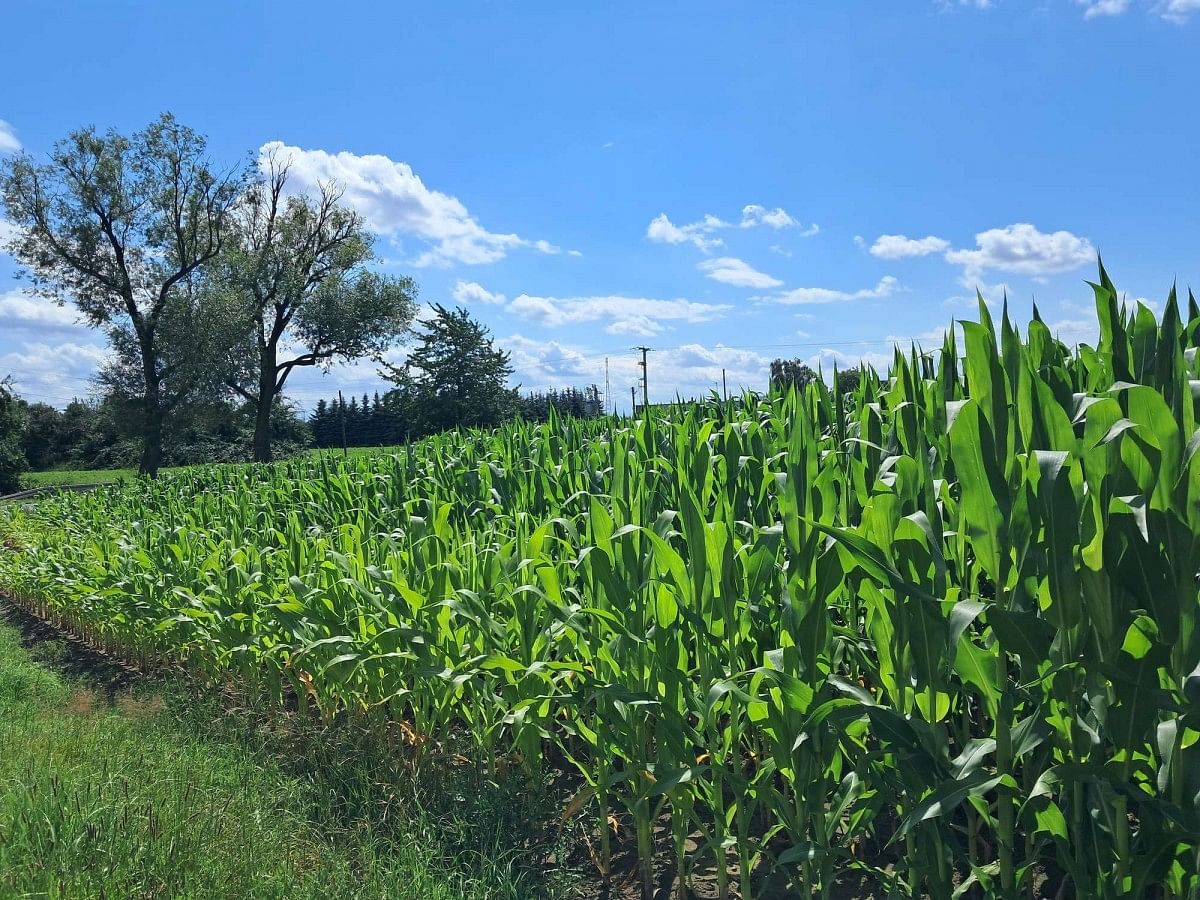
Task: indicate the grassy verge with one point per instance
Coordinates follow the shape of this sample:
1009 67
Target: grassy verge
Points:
157 793
76 476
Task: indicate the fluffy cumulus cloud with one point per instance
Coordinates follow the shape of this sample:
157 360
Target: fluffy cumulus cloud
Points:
1023 250
624 315
662 230
21 310
898 246
690 370
8 138
809 295
730 270
54 373
753 214
539 365
395 202
469 292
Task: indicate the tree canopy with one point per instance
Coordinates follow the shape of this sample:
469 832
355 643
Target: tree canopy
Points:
298 265
455 376
12 459
123 227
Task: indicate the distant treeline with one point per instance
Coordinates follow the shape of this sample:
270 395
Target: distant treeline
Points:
381 420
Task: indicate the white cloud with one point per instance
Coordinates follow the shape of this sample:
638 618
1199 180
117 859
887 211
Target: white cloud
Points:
1094 8
663 231
8 231
730 270
625 315
394 201
775 248
20 310
8 139
53 373
928 339
539 365
898 246
885 288
828 358
1023 250
1178 11
474 292
691 370
753 214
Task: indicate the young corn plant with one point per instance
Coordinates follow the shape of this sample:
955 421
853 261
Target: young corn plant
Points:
937 633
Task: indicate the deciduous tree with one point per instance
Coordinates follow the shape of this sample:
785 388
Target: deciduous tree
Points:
123 227
299 263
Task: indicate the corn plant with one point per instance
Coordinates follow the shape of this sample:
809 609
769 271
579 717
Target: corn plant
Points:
938 632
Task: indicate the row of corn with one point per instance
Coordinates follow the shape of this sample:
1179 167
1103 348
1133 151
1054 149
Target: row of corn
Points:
939 633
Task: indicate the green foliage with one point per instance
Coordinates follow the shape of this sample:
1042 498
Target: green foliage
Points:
166 795
455 377
787 373
12 457
104 434
298 266
123 227
938 631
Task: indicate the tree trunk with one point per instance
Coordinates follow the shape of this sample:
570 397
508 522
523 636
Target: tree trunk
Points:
152 409
266 403
152 414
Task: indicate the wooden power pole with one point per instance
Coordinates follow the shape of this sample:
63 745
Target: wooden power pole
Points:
645 385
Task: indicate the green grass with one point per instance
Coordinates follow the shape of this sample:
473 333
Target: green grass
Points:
53 477
76 476
162 795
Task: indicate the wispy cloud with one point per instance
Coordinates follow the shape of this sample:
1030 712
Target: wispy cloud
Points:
812 295
8 138
737 272
1096 8
638 316
662 230
897 246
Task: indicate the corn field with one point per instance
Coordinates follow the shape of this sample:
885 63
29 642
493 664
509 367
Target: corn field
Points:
939 632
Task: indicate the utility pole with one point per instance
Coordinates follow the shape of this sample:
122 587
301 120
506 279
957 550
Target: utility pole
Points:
724 386
632 401
645 387
607 389
342 409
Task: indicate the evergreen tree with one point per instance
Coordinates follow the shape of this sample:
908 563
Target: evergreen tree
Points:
455 377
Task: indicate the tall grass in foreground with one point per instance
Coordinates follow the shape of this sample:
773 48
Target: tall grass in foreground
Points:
137 800
940 631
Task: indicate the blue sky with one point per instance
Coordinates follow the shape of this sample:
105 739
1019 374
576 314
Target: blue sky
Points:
723 182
